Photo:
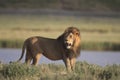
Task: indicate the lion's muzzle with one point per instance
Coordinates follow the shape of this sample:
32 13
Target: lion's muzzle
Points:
68 44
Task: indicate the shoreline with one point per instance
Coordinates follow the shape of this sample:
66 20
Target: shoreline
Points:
97 46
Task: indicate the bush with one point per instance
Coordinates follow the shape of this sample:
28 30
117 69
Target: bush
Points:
83 71
18 70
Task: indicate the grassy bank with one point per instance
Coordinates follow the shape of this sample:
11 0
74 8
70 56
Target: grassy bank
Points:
97 33
83 71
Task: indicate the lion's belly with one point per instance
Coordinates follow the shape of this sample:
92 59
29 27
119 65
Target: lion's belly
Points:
53 56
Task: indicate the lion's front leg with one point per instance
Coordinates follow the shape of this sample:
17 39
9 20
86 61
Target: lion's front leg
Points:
72 63
67 64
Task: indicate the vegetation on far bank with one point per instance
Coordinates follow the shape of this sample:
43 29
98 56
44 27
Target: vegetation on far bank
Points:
83 5
83 71
101 46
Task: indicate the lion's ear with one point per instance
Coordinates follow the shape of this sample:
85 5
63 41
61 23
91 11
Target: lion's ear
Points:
66 31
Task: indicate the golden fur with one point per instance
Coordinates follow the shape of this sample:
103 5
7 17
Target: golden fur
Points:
65 47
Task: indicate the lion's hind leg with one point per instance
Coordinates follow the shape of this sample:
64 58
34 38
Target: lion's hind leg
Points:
28 58
36 58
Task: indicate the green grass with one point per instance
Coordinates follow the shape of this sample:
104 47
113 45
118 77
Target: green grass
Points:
96 33
83 71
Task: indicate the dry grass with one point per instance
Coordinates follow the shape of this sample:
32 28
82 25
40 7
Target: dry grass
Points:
21 26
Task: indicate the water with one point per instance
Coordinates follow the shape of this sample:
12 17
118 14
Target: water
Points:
101 58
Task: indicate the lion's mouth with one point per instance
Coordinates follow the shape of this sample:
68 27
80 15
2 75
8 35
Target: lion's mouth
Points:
68 45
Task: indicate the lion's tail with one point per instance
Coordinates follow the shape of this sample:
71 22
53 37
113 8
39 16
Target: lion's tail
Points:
23 51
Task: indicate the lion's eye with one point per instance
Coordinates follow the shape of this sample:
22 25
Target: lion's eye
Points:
77 33
70 36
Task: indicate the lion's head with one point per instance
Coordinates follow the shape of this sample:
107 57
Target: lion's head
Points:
71 39
71 35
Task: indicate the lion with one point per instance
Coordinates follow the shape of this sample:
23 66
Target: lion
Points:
66 47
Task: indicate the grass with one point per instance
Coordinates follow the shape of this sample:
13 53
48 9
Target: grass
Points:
83 71
100 33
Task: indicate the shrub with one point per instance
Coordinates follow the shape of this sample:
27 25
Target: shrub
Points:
15 69
83 71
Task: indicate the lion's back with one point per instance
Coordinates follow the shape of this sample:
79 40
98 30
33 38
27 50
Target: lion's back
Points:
50 48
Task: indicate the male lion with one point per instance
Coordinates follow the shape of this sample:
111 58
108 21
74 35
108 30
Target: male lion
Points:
65 47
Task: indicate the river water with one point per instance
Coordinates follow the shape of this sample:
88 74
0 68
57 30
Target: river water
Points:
101 58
